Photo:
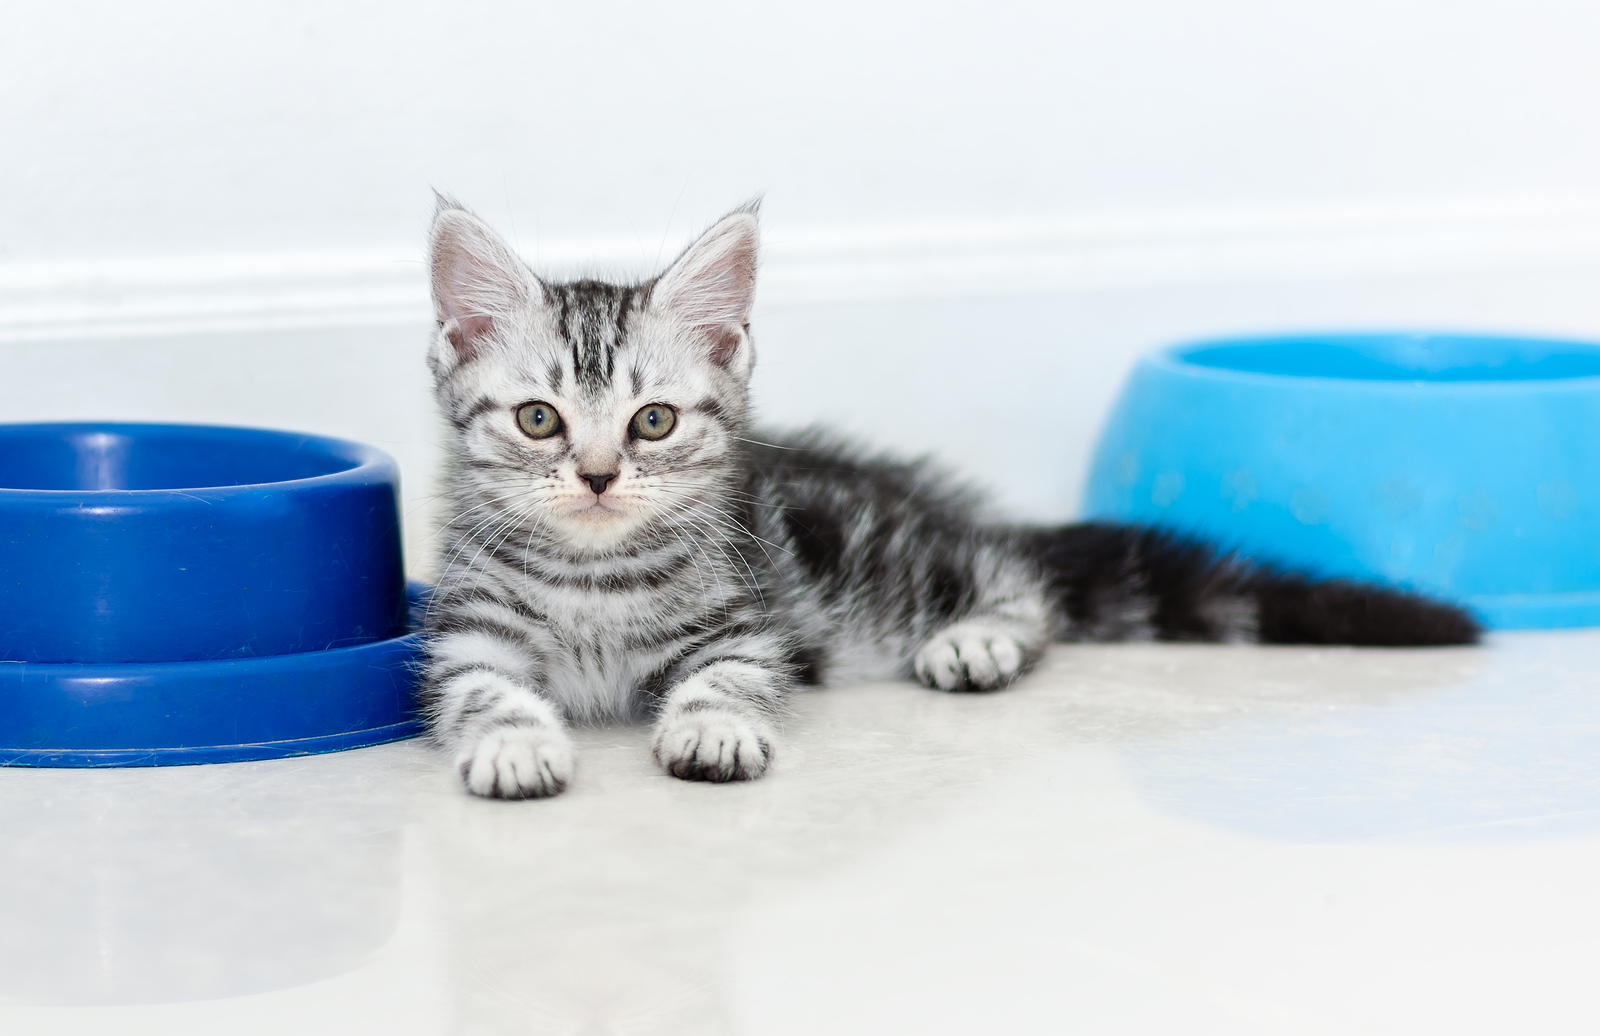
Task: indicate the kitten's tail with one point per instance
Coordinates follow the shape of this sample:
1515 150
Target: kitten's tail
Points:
1119 582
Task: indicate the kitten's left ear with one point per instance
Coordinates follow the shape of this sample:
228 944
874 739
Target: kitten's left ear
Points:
711 286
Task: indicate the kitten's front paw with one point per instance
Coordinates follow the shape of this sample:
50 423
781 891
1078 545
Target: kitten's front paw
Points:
970 659
523 761
712 745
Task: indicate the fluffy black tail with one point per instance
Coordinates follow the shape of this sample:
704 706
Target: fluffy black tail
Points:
1121 581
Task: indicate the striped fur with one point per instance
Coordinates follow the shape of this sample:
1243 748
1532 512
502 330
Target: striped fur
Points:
718 567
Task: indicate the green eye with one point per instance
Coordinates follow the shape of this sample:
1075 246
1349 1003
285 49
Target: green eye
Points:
654 421
538 420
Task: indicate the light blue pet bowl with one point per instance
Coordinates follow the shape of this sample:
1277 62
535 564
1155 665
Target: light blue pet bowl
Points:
1462 466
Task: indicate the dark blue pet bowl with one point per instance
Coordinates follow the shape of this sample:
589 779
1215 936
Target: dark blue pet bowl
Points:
173 543
177 594
1465 466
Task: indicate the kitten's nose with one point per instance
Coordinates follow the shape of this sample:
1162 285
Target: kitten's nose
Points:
599 482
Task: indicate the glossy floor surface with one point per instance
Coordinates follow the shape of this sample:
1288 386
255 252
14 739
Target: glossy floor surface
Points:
1136 839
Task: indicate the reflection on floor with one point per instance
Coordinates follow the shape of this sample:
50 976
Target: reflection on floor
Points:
1137 838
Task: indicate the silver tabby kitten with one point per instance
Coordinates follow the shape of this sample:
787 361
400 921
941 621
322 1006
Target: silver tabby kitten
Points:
619 548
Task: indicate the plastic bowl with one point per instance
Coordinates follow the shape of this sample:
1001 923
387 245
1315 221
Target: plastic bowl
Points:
214 711
164 543
1463 466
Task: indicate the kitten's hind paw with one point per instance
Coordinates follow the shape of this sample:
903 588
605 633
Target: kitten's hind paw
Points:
970 658
712 744
518 761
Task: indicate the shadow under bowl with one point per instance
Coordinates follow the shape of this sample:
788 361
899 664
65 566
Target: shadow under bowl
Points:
1463 466
124 543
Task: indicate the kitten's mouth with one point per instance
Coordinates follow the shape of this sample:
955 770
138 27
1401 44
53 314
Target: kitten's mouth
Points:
597 509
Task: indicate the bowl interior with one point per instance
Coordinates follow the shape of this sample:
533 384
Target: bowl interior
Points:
158 457
1401 357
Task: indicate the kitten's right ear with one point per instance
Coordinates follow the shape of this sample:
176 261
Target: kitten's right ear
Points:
477 279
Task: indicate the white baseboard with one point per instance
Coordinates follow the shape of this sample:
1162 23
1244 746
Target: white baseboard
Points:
175 295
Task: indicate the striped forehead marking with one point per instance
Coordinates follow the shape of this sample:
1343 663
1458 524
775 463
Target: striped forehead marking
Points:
594 322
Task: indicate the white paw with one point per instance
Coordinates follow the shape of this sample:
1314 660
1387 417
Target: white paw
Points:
970 659
712 744
531 761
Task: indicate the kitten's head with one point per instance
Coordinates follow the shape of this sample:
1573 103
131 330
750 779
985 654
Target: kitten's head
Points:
593 411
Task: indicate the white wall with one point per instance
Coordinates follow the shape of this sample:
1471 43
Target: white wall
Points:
173 127
214 212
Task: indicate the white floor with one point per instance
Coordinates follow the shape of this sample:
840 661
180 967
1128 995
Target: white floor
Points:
1140 838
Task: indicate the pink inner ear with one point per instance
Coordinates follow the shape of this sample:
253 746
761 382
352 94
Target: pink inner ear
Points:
724 343
473 326
465 332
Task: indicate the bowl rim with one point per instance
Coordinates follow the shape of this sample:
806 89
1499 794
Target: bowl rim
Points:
1174 359
369 464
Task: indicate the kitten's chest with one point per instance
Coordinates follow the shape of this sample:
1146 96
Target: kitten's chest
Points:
589 611
631 601
609 644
